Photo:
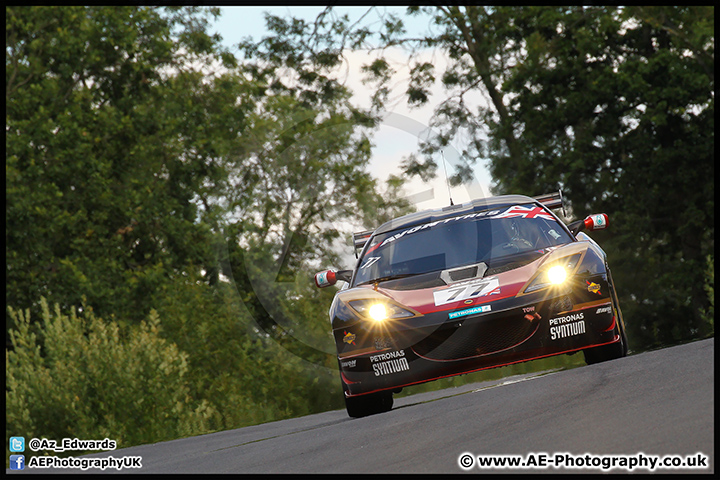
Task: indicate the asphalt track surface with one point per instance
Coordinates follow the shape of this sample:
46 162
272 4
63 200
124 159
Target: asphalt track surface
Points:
652 404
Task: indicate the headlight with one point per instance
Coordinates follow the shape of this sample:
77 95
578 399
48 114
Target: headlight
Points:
556 274
380 311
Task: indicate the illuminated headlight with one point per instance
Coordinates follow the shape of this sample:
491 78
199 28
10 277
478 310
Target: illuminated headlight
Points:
379 311
555 275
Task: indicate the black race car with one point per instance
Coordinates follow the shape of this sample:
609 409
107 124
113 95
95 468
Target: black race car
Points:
450 291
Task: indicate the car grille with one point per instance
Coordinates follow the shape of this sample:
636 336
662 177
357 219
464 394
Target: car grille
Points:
476 337
561 304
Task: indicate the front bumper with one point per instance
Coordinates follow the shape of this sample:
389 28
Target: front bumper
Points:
419 351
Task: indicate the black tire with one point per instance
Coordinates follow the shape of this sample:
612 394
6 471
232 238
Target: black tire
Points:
364 405
607 352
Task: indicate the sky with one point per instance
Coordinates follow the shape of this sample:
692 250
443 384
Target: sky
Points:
399 133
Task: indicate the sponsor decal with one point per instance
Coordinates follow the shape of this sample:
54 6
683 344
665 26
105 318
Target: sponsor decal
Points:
530 313
607 309
349 338
391 366
593 287
567 330
567 318
469 311
390 362
349 364
512 212
418 228
467 291
387 356
567 326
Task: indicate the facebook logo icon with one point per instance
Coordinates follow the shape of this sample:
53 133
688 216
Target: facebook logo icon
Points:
17 462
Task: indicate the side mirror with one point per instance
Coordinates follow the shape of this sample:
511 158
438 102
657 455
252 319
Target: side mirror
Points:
327 278
598 221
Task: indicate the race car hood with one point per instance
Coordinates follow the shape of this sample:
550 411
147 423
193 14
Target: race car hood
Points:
467 293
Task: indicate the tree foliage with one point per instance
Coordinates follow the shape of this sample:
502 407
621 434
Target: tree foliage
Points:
301 181
111 133
78 376
152 175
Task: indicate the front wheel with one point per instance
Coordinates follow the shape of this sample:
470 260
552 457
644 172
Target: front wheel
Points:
364 405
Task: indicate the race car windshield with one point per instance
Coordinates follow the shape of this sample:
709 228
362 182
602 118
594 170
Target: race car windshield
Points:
488 237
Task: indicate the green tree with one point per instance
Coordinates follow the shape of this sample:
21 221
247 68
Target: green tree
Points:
78 376
301 183
113 134
147 168
245 376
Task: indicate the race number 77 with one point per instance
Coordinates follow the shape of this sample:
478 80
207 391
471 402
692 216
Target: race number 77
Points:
465 292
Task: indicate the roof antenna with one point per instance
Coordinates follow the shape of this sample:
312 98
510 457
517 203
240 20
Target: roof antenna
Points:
447 180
